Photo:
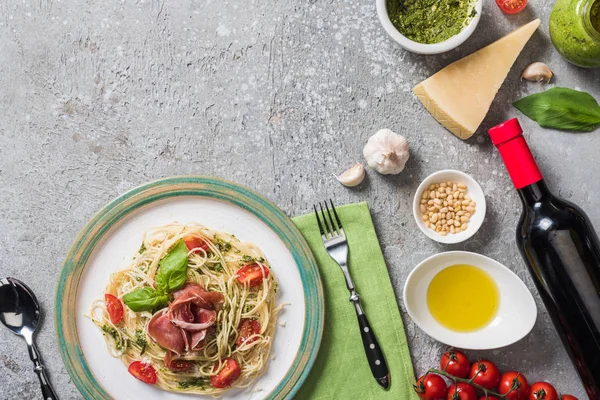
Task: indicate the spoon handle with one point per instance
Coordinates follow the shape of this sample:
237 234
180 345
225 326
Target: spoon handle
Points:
40 370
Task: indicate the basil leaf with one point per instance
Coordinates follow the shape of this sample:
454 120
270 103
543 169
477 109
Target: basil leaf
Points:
562 108
145 299
172 270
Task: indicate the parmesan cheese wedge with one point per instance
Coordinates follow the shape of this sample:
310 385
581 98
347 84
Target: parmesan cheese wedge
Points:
460 95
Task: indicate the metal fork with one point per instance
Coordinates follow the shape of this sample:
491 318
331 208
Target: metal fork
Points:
336 245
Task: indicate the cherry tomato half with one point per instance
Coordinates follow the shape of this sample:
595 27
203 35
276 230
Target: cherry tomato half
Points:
455 363
144 372
230 372
542 391
514 385
431 387
511 6
114 308
486 374
248 327
461 391
252 274
196 243
568 397
180 365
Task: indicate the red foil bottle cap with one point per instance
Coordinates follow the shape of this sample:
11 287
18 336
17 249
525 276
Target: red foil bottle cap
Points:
505 131
521 166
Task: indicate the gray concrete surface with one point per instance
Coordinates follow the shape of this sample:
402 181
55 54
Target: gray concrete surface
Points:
97 97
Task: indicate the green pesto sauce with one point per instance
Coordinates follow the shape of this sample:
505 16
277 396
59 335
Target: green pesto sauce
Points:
575 31
430 21
595 15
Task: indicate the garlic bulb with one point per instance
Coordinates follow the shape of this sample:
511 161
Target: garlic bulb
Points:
353 176
537 72
386 152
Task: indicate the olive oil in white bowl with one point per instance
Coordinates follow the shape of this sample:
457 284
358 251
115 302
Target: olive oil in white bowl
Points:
505 316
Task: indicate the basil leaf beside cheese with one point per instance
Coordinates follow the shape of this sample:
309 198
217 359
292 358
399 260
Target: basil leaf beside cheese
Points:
562 108
146 299
172 270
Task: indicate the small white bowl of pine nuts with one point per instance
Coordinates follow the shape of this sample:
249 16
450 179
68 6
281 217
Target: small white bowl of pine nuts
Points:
449 206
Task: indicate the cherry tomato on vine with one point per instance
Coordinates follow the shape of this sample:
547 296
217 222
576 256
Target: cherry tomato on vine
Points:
431 387
490 397
455 363
485 373
511 6
542 391
513 385
461 391
568 397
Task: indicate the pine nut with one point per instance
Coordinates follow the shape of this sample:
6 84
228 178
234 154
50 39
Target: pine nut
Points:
446 207
443 233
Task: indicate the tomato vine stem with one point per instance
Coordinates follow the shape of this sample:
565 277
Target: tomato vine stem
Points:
486 392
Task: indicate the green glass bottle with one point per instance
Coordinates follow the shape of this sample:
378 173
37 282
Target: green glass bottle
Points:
575 31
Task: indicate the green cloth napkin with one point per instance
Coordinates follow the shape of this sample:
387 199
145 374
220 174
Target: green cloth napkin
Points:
341 370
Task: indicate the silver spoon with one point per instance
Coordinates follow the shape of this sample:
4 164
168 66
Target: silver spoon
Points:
20 312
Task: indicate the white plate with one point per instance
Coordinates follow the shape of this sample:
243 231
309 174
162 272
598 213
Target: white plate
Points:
118 238
516 314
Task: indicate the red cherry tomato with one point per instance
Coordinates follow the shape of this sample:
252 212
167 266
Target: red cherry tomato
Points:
514 385
196 243
542 391
248 327
486 374
230 372
568 397
461 391
455 363
490 397
252 274
180 365
144 372
431 387
511 6
114 308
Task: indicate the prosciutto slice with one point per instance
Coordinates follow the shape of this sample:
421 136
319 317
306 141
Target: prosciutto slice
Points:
184 324
162 331
194 293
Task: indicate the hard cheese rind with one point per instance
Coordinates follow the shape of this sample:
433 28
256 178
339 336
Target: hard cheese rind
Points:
460 95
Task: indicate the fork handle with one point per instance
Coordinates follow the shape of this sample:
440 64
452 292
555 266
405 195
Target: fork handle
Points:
373 351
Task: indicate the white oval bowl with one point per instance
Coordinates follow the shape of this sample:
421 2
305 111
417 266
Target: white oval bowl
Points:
516 314
473 190
422 48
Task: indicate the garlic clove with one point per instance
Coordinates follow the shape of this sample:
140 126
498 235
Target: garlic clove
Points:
537 72
386 152
353 176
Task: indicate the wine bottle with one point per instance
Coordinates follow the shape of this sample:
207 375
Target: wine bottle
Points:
562 252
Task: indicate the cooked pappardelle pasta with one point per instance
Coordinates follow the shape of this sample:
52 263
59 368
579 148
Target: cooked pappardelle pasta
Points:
194 312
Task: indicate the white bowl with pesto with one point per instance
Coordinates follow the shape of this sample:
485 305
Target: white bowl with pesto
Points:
423 48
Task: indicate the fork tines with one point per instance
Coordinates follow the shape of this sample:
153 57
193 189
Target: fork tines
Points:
329 226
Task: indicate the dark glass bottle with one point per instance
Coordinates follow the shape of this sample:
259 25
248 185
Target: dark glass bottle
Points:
562 251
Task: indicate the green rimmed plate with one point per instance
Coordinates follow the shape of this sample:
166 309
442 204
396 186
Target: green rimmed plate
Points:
110 238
